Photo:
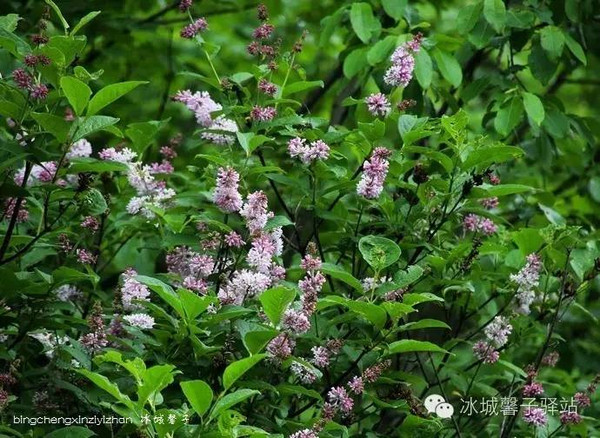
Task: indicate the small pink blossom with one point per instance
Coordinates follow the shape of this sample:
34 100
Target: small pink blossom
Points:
263 114
234 240
533 389
535 416
378 104
295 321
485 352
227 196
356 385
86 257
339 398
374 172
91 223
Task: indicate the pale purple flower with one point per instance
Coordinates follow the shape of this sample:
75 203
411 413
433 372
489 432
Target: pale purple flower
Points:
472 222
263 31
193 29
227 197
22 78
201 104
9 208
321 357
403 63
310 286
234 240
551 359
535 416
187 263
94 341
308 153
373 373
91 223
261 254
339 398
374 172
498 331
533 389
485 352
133 291
243 284
141 320
310 263
184 5
163 167
487 227
303 373
196 284
228 128
45 171
81 148
378 104
124 155
263 114
68 292
267 87
356 385
295 321
527 279
582 399
255 211
85 257
567 417
39 91
490 203
281 347
305 433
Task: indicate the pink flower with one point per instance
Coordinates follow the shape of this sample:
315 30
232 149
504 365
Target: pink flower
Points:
551 359
9 208
485 352
372 373
494 179
39 91
267 87
140 320
133 291
195 284
234 240
403 63
124 155
305 433
374 172
201 104
378 104
498 330
261 253
356 385
91 223
193 29
535 416
304 374
295 321
533 389
81 148
22 78
318 149
472 222
487 227
567 417
582 399
263 114
184 5
490 203
254 210
339 398
227 196
243 284
263 31
310 263
320 357
281 347
86 257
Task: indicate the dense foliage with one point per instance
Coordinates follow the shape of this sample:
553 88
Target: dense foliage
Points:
369 219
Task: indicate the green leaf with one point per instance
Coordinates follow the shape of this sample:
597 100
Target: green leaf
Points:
110 93
92 124
143 133
448 66
494 12
103 383
394 8
371 312
250 141
541 66
404 278
154 381
423 68
58 13
199 394
552 215
381 50
341 274
412 346
136 367
500 190
9 109
355 61
57 126
71 432
534 107
85 20
363 21
231 400
256 340
552 39
379 252
193 304
483 157
468 16
164 291
238 368
77 92
88 164
424 323
275 301
299 86
575 48
509 116
277 221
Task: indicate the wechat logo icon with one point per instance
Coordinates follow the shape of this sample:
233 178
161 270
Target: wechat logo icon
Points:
435 403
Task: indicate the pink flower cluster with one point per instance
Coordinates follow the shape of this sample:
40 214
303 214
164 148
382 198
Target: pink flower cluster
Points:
527 279
132 291
9 208
263 113
308 153
497 333
192 267
193 29
403 63
26 81
227 196
374 172
472 222
378 104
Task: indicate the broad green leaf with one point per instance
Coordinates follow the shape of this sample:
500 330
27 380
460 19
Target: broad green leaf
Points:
103 383
194 304
468 15
231 400
238 368
448 66
381 50
575 48
355 61
363 21
413 346
256 340
423 68
87 164
10 109
501 190
483 157
534 107
300 86
85 20
423 324
165 292
277 221
509 116
412 299
275 301
89 125
109 94
404 278
136 367
394 8
371 312
542 67
494 12
143 133
77 93
154 381
552 39
71 432
553 216
379 252
57 126
341 274
199 394
58 13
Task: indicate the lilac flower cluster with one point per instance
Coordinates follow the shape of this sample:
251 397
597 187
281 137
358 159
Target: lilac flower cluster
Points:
202 105
263 113
25 81
132 291
140 320
374 172
527 279
9 208
378 104
151 193
308 153
193 29
227 196
45 172
535 416
497 333
96 339
192 267
68 292
403 63
472 222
